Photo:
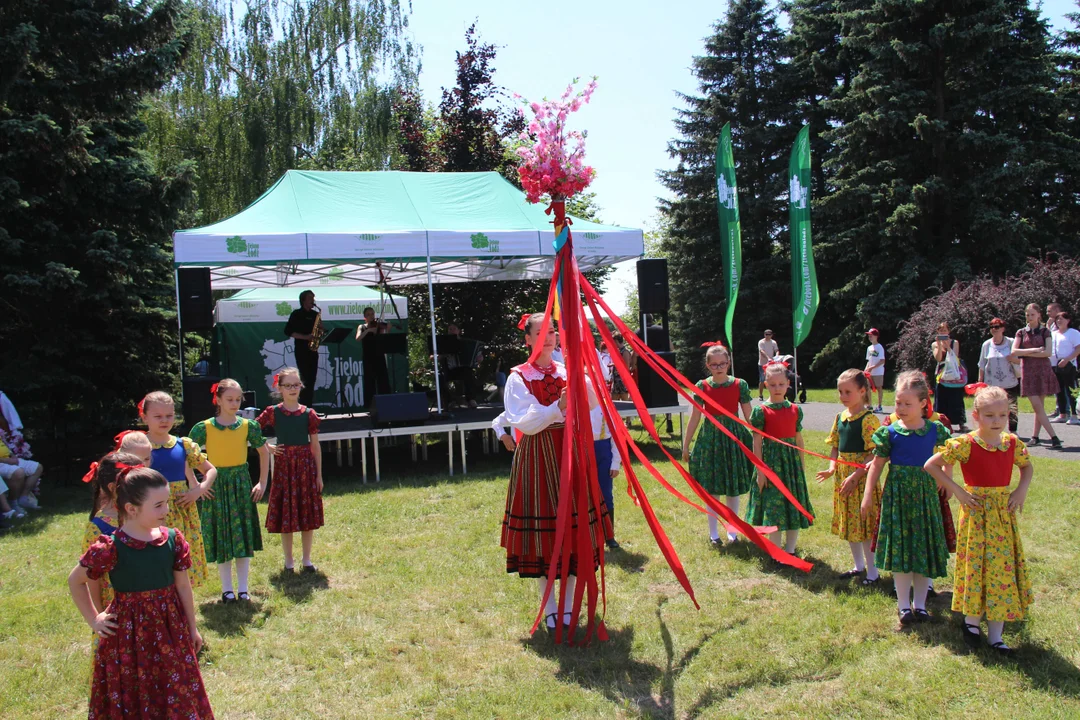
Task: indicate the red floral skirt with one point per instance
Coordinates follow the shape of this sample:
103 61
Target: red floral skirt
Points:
532 501
295 502
148 669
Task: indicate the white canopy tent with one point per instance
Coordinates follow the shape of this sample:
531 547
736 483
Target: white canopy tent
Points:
354 228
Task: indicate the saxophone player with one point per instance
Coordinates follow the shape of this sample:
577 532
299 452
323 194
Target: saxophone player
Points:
300 327
376 378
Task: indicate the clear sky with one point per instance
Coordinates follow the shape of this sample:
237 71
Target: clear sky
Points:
641 51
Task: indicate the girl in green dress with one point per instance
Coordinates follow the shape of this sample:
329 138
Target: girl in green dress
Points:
779 419
911 537
717 462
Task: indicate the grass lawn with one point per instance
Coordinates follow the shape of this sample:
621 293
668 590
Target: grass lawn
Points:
828 395
416 618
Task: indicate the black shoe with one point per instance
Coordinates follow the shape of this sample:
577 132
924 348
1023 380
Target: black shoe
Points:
613 544
243 596
1055 443
972 637
716 542
1033 441
309 569
228 597
907 618
931 592
288 570
1002 649
922 616
850 574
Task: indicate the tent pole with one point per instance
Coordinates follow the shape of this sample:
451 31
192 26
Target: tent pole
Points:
434 338
180 336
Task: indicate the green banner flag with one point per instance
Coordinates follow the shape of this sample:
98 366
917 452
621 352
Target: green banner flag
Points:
804 290
727 204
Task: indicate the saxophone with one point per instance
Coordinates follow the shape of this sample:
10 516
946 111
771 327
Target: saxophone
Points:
317 331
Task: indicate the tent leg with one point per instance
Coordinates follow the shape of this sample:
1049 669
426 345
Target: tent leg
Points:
450 449
375 442
349 445
464 467
338 444
423 447
434 339
363 459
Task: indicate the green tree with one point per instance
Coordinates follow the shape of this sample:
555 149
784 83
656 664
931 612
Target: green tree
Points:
947 159
85 217
741 81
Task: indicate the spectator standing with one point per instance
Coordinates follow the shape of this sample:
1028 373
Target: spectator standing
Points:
948 396
767 349
1034 346
875 364
999 368
1066 348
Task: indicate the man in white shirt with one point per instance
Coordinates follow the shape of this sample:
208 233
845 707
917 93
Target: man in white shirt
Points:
767 349
875 364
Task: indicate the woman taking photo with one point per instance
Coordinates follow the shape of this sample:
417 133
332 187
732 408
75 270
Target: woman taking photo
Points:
1034 346
1066 349
949 396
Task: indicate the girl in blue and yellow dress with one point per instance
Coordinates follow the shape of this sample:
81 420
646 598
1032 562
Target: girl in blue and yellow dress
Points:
230 520
779 419
911 538
991 577
716 462
851 440
295 504
176 458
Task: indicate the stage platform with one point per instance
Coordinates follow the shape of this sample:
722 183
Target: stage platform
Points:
343 429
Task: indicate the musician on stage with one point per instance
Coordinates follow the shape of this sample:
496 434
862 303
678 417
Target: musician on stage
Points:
299 327
376 378
460 365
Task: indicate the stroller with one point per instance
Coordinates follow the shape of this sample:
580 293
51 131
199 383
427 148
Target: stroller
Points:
793 378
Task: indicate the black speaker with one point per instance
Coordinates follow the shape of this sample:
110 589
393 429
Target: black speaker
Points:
652 285
196 301
198 402
654 390
399 408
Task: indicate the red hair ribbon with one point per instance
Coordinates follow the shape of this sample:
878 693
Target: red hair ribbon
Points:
276 376
89 476
718 343
870 378
213 391
120 438
777 362
524 321
140 406
974 388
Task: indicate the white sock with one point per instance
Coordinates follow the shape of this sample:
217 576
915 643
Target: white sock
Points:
733 503
903 590
994 631
857 553
790 538
774 538
922 588
972 620
568 609
550 605
243 568
225 573
871 566
929 584
714 528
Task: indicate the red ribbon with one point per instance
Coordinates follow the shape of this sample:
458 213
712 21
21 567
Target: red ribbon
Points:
213 391
973 388
89 476
718 343
276 376
777 362
120 438
523 321
140 406
870 379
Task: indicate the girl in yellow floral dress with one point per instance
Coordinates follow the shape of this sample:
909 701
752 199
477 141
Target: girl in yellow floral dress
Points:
176 458
991 575
851 439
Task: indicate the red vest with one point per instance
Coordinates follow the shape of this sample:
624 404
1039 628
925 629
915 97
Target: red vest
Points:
725 397
986 468
781 422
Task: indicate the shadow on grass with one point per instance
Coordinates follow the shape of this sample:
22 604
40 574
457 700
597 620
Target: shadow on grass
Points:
625 560
298 586
232 619
1045 667
610 668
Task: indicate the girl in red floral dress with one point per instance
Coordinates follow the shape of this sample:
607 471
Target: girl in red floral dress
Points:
295 503
535 402
145 665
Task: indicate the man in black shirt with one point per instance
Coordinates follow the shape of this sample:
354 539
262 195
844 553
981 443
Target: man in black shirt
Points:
299 327
376 378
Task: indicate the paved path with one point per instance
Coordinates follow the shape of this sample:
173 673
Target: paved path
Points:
819 416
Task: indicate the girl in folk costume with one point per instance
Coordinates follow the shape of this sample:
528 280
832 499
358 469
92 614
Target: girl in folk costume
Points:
295 503
851 439
535 402
717 462
103 516
230 519
176 458
991 576
911 538
782 420
146 662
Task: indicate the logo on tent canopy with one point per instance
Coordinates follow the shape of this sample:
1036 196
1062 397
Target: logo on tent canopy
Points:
480 241
245 305
237 245
334 275
369 237
283 309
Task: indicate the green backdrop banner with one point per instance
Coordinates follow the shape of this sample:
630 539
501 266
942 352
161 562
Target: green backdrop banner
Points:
727 203
804 289
251 352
